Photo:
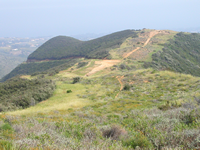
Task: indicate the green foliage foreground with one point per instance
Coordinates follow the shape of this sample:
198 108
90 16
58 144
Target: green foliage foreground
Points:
158 110
20 93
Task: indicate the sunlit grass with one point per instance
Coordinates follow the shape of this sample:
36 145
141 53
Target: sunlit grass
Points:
61 100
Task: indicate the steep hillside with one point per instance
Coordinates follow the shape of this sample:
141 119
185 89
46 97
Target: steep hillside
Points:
180 54
51 67
65 47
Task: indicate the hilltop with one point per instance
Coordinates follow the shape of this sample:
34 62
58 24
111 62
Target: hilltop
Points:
143 93
65 47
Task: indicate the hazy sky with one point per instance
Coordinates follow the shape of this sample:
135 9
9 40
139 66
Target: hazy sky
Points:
31 18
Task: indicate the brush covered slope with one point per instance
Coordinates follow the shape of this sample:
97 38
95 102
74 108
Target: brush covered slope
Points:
65 47
152 110
181 54
66 50
51 67
108 104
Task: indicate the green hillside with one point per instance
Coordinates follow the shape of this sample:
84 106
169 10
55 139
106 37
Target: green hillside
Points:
50 67
181 54
154 110
65 47
82 103
56 48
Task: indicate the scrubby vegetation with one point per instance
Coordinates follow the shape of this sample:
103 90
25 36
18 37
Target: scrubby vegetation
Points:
50 67
118 107
18 93
156 110
181 54
66 47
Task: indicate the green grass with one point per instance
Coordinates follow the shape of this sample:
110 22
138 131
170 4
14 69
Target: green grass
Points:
158 46
152 114
61 100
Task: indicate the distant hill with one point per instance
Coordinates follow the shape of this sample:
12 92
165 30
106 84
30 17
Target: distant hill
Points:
61 47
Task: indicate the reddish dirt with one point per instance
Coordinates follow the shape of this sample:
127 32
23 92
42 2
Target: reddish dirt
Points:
109 63
119 79
102 65
131 52
150 35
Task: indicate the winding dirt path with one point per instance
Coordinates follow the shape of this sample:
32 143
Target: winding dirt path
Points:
131 52
151 34
109 63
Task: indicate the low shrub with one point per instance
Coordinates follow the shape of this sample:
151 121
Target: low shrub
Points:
69 91
126 87
115 132
137 141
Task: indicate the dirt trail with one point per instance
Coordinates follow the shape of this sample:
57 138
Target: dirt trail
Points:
109 63
103 64
131 52
151 34
119 79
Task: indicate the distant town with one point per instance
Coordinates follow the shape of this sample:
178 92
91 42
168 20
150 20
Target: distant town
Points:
20 46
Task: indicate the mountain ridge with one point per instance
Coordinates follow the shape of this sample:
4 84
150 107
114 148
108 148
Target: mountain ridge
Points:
64 47
141 47
115 103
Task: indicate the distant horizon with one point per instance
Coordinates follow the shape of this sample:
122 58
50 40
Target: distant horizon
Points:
24 18
192 29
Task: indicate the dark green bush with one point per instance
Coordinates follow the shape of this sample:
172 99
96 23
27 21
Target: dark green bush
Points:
69 91
76 79
82 64
126 87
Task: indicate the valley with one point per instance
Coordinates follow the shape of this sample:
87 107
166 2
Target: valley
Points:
13 51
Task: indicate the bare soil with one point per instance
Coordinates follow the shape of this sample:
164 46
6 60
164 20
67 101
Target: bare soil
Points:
120 81
102 65
150 35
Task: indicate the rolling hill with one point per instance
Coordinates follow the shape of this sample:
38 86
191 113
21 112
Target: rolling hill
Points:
143 95
65 47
